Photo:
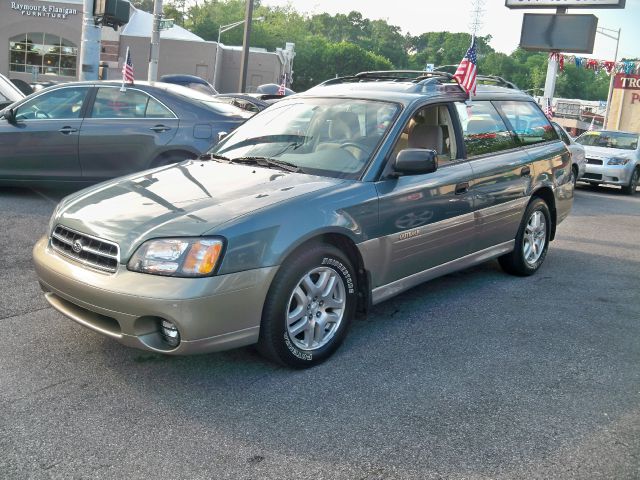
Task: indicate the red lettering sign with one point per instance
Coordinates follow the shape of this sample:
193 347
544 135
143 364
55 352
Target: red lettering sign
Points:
626 81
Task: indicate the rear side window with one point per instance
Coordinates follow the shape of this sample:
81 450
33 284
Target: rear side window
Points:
483 129
113 103
528 122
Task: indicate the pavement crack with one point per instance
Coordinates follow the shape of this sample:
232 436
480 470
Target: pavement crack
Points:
25 313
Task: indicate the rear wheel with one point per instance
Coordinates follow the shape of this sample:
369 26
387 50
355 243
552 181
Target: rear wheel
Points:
532 241
633 183
575 172
308 308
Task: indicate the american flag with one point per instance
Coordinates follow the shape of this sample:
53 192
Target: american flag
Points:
283 86
548 109
467 70
127 69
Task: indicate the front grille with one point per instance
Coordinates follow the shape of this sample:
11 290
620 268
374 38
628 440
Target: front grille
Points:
90 251
593 161
593 176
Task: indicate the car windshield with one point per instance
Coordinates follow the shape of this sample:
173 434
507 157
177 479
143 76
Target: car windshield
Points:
624 141
335 137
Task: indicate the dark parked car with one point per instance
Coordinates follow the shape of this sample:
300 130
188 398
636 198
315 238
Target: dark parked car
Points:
323 204
91 131
190 81
245 101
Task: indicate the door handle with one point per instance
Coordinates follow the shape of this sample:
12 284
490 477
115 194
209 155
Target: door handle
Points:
68 130
160 128
462 188
525 171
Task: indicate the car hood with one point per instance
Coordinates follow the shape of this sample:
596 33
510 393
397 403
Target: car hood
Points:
187 199
604 152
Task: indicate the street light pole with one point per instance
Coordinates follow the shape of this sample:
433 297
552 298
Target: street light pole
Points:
221 30
601 31
245 47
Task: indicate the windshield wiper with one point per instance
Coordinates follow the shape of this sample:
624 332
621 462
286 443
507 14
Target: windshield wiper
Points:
268 162
213 156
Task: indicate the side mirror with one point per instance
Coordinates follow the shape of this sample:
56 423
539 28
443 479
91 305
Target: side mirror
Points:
414 161
10 115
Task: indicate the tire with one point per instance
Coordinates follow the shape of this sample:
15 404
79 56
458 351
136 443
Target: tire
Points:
532 241
633 183
575 172
293 295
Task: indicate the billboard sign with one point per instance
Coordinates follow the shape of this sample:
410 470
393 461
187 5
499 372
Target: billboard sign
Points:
558 32
564 3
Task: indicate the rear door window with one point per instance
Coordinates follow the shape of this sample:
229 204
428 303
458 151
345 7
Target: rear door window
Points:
110 102
483 129
529 124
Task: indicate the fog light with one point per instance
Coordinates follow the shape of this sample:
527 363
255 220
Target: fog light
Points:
170 333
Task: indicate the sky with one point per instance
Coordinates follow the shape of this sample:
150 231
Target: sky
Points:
503 24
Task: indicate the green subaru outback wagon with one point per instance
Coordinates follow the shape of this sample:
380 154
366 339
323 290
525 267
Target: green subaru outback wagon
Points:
318 207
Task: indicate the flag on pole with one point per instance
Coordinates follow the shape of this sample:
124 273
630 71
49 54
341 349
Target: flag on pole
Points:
127 69
467 70
548 109
283 85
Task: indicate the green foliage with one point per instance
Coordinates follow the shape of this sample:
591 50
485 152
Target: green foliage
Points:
344 44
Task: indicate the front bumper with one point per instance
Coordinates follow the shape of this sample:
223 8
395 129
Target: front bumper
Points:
211 314
609 174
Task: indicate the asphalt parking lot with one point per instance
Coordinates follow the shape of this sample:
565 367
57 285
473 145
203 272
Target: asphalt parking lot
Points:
475 375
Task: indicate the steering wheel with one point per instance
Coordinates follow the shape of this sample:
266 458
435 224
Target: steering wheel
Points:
37 113
354 145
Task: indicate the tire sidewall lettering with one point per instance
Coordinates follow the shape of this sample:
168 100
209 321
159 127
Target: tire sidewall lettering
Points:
306 356
344 271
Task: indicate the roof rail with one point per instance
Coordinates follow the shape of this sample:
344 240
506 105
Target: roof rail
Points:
496 80
414 76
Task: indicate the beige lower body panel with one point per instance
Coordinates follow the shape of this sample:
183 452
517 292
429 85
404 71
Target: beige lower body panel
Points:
127 305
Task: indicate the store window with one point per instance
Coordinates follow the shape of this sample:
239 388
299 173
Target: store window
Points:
43 53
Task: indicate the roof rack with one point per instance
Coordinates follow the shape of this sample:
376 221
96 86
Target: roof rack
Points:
496 80
414 76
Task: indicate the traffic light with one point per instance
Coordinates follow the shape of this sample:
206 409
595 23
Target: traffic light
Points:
111 13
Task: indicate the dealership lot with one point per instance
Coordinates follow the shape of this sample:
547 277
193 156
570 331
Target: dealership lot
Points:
475 375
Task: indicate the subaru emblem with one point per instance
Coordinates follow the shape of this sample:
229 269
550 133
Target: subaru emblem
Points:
77 246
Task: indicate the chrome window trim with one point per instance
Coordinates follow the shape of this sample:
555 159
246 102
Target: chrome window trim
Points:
175 117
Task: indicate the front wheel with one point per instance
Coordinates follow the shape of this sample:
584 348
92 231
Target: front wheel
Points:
532 241
309 307
633 183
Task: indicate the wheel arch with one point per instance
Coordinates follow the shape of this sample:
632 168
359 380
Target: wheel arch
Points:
546 194
346 244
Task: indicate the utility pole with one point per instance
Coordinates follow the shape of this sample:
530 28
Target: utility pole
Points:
602 31
245 46
90 44
155 41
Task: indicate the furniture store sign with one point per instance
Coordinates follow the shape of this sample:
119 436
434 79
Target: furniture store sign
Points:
46 11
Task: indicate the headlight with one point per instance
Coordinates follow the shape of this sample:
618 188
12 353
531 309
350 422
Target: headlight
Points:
618 161
177 257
